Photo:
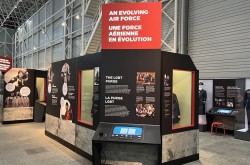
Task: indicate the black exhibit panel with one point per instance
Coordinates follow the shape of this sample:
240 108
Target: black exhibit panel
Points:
179 93
62 90
88 69
19 87
130 88
228 93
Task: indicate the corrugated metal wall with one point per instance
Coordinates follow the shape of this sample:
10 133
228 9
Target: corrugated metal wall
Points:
219 37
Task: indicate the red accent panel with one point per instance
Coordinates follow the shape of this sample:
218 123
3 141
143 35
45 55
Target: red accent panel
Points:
5 63
142 19
79 97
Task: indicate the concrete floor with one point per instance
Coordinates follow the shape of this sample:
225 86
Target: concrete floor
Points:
26 144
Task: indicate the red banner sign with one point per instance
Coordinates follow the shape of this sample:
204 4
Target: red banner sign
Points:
131 25
5 64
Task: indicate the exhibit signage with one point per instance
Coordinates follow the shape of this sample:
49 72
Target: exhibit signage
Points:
61 96
130 93
5 63
228 93
131 25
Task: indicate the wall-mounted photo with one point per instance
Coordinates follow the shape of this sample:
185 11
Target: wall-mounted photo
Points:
15 78
145 110
65 110
145 78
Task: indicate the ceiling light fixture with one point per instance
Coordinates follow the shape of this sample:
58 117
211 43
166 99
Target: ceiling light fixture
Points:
77 16
63 24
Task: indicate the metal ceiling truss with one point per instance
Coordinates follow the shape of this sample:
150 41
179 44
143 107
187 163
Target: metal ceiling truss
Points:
169 34
13 13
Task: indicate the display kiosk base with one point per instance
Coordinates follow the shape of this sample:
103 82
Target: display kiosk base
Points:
129 153
128 143
242 135
202 128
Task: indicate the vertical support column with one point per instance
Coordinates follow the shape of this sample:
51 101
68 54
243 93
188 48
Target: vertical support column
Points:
15 53
184 27
52 32
5 41
175 25
71 30
45 38
83 41
64 44
32 48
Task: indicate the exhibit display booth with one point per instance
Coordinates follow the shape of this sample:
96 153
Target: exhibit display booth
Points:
130 103
227 103
148 108
72 113
21 93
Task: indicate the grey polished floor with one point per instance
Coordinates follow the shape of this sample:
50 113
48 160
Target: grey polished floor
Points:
26 144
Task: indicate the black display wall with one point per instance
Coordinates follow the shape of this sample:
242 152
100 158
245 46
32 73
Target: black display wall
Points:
228 93
62 90
172 61
130 88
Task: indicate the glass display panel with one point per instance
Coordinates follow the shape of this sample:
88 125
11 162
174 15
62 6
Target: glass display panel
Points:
182 98
87 92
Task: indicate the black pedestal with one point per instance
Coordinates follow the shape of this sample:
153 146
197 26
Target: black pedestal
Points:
242 135
203 128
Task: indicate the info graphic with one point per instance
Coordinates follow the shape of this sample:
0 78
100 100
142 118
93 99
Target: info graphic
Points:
131 26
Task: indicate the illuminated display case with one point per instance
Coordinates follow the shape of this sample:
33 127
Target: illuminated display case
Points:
88 69
86 94
183 99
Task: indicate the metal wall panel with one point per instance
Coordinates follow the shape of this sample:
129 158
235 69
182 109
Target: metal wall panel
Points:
57 53
76 46
219 37
6 41
2 50
41 38
41 56
42 15
29 61
57 29
2 35
35 60
77 23
57 5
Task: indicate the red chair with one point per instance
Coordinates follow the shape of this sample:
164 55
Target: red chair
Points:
216 125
